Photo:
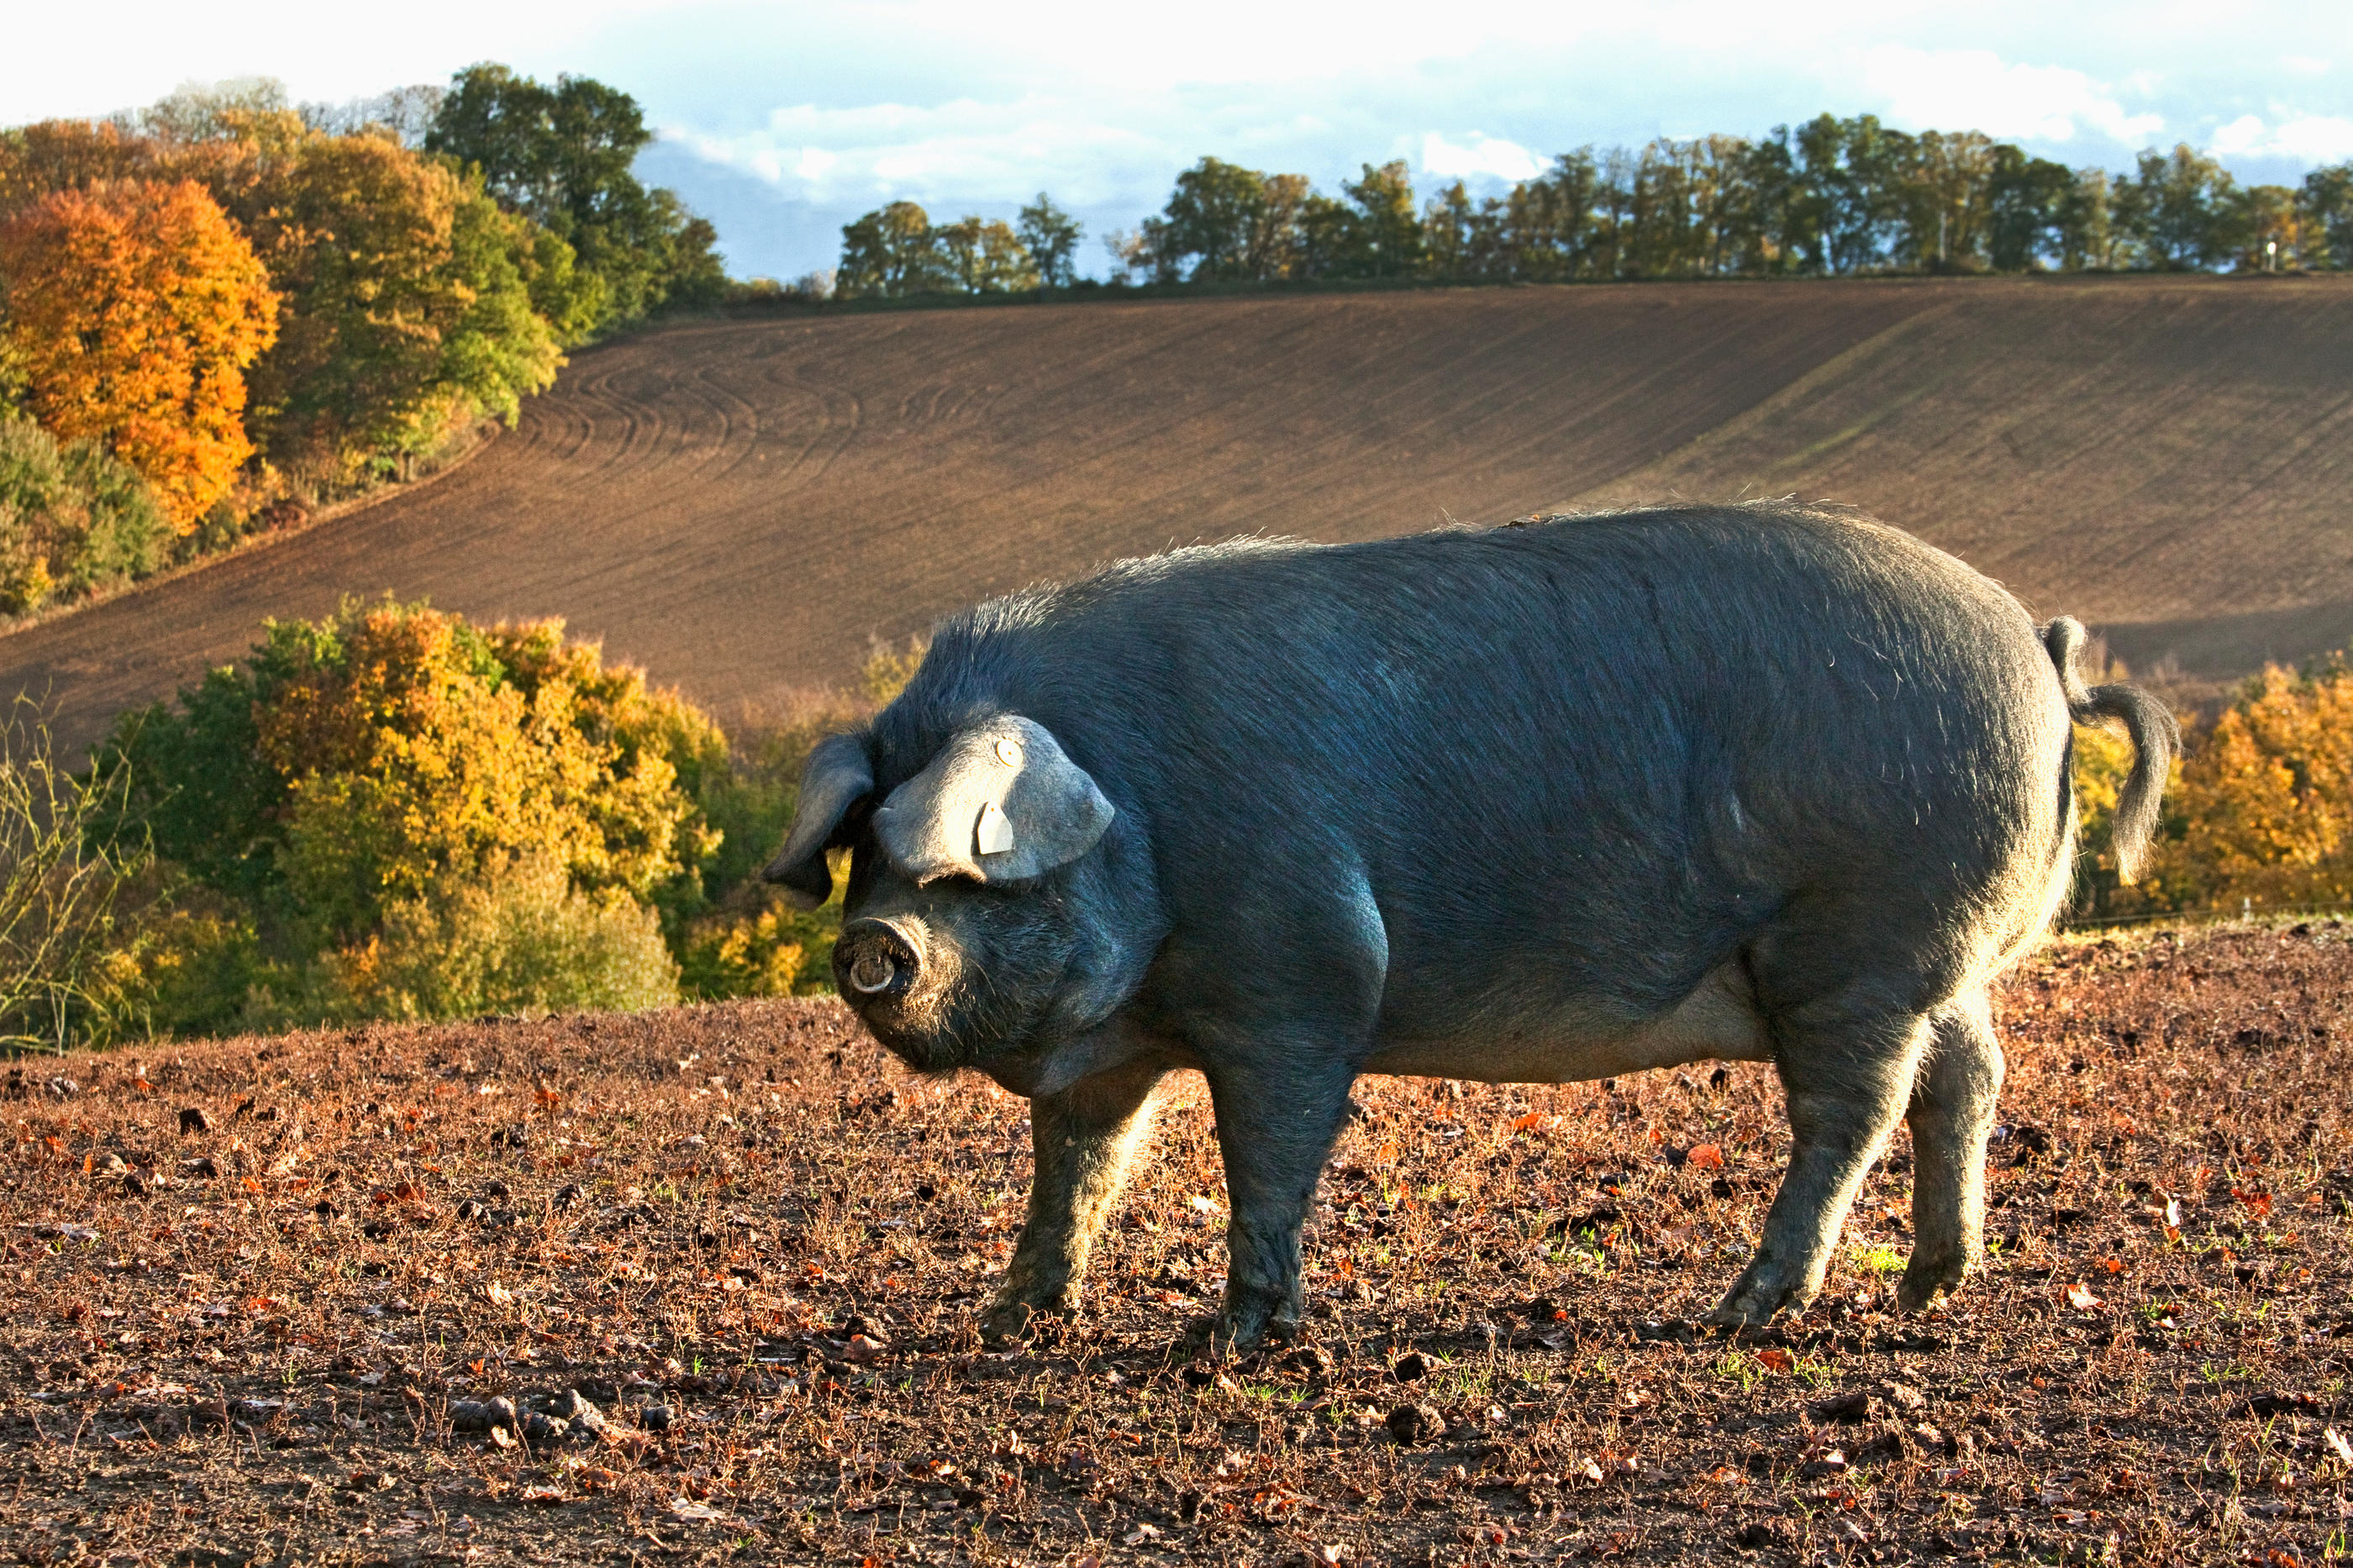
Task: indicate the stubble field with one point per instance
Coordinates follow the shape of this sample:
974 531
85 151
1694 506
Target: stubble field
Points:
722 1264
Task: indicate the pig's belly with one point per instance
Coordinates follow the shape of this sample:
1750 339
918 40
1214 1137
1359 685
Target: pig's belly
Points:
1573 1045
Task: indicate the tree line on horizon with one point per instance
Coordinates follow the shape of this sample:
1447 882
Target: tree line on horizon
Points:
1832 197
225 308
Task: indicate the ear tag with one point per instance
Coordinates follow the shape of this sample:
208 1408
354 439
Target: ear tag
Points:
995 832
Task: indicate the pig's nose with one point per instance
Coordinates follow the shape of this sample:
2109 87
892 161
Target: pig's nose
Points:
871 958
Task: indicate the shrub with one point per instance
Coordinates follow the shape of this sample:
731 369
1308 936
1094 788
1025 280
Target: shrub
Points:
195 969
64 864
353 761
365 786
755 943
2265 808
773 950
515 936
73 518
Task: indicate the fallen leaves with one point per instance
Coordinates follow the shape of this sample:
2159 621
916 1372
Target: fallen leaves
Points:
831 1286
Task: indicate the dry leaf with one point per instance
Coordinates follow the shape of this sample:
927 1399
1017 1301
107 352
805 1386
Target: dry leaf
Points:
1706 1156
2079 1297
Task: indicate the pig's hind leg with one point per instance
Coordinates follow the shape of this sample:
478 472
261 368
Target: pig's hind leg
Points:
1951 1116
1847 1066
1084 1137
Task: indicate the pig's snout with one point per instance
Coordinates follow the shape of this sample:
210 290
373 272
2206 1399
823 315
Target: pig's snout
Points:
874 959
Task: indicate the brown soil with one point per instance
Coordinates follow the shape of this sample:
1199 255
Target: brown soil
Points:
262 1341
740 505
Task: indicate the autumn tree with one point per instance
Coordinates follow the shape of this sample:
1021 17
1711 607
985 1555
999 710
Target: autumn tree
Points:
134 310
411 303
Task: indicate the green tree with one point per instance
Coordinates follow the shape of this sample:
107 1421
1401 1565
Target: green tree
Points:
984 255
1940 193
2325 202
1226 222
1386 229
352 762
1850 172
1549 222
1052 237
563 155
1464 241
2087 226
890 253
2028 204
2178 209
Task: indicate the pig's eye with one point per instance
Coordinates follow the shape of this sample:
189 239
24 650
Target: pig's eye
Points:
871 971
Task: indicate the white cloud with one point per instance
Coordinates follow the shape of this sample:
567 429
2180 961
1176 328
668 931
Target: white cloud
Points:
1481 154
2315 139
1975 89
959 151
2241 135
2305 138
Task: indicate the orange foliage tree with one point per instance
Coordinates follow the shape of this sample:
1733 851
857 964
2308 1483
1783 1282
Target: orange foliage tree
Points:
134 307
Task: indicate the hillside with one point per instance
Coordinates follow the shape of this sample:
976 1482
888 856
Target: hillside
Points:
740 506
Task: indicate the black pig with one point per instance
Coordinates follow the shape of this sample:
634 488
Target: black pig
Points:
1534 804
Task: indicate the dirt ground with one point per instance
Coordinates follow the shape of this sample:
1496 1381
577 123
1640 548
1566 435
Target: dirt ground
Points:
264 1293
740 505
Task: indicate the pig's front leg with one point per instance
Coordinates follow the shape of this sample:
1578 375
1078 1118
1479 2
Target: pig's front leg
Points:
1275 1129
1084 1138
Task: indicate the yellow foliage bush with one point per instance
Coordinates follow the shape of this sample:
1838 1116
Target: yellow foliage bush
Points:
515 936
2263 810
414 745
385 803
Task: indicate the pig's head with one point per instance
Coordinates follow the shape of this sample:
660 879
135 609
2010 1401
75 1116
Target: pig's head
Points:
997 903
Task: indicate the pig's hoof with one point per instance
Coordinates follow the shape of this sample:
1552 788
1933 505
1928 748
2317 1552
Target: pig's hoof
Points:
1927 1279
1763 1290
1242 1326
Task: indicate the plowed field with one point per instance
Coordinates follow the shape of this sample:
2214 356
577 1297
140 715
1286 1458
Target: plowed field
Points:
740 505
722 1266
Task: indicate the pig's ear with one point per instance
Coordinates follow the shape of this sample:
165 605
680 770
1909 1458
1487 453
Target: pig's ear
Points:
1000 803
838 776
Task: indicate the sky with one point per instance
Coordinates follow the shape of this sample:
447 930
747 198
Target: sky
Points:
782 121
